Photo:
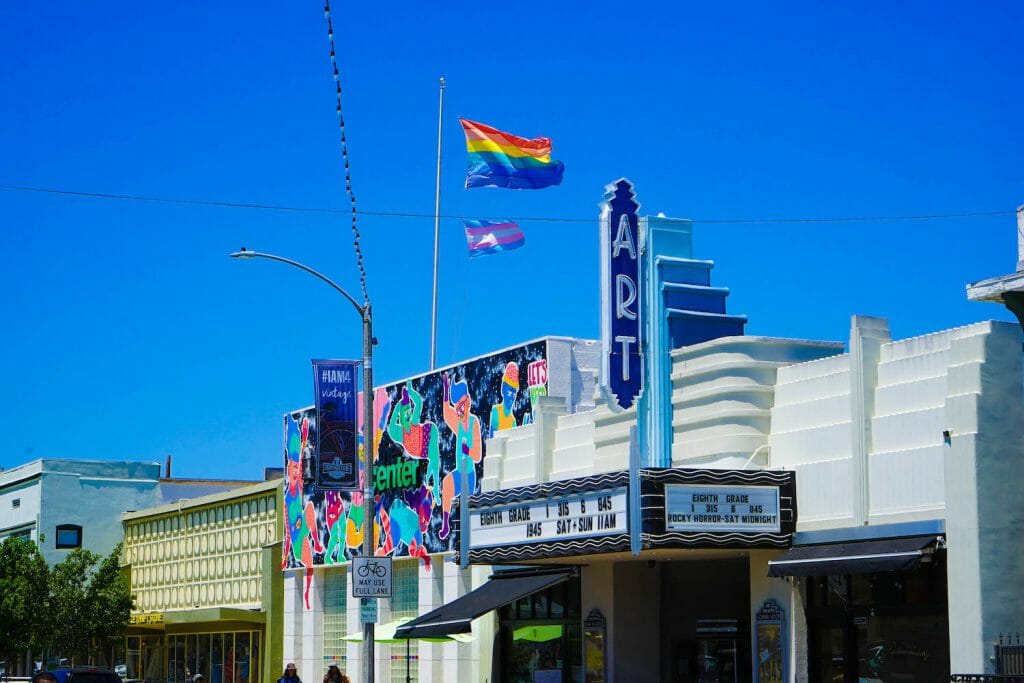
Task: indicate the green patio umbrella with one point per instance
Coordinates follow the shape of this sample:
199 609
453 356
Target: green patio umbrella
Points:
538 634
385 633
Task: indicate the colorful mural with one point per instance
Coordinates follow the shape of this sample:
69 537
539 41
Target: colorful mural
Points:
429 438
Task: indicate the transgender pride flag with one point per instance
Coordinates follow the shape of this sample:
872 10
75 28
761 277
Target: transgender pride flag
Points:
490 237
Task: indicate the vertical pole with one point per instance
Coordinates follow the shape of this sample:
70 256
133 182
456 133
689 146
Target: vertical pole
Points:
369 511
634 499
464 462
1020 238
437 228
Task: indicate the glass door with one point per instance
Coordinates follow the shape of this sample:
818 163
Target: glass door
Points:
828 654
543 653
914 649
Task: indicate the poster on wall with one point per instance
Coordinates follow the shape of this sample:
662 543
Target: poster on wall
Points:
336 458
594 647
427 431
770 643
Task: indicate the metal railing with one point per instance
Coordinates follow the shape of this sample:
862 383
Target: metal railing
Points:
1009 663
1009 655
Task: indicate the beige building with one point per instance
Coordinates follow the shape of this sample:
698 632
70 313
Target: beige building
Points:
206 600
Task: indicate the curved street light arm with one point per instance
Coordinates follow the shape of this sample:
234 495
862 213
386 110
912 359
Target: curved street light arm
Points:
255 254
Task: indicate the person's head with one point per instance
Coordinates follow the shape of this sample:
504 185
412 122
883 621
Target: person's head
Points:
333 673
510 385
289 670
461 400
44 677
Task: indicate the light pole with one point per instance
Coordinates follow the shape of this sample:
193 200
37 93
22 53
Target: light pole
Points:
368 508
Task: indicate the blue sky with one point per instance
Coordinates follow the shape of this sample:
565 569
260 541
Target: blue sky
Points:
129 333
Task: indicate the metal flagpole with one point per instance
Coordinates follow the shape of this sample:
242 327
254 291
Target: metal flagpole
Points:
437 228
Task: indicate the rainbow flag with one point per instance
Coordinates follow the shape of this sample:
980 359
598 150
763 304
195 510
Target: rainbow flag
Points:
490 237
498 159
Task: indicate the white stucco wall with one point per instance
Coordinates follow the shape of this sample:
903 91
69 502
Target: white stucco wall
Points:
21 484
785 593
911 403
811 433
634 632
983 483
91 494
906 462
965 382
723 392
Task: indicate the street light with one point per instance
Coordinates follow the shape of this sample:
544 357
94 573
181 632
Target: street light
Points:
368 508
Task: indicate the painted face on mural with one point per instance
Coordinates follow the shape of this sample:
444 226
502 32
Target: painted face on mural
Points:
296 441
404 410
508 394
461 400
294 476
334 505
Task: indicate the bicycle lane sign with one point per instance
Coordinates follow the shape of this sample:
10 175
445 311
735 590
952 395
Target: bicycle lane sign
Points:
371 577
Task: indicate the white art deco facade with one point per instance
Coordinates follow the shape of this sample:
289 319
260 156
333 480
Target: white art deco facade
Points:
909 439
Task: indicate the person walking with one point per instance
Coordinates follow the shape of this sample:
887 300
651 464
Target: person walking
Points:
334 675
290 675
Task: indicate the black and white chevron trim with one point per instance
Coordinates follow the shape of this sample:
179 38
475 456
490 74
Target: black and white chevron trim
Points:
678 539
721 477
537 551
550 489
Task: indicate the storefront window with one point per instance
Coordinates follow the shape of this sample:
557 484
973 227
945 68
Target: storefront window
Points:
542 637
191 658
254 658
176 659
220 657
828 661
229 657
242 645
881 627
151 660
909 648
217 658
133 657
557 602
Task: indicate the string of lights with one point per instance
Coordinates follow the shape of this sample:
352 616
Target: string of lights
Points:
344 155
548 219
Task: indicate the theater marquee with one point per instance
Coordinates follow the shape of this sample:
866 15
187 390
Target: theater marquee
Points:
750 509
580 515
697 508
681 508
557 519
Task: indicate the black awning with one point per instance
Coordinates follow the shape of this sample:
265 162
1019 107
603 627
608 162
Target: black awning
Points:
864 557
501 589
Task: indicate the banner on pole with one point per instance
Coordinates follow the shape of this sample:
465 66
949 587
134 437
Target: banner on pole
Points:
336 455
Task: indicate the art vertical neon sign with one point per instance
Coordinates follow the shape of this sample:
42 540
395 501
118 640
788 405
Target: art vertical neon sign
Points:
622 356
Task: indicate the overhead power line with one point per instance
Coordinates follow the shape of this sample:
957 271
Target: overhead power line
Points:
549 219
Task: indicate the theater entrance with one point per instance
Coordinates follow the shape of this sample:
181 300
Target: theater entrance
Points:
705 624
